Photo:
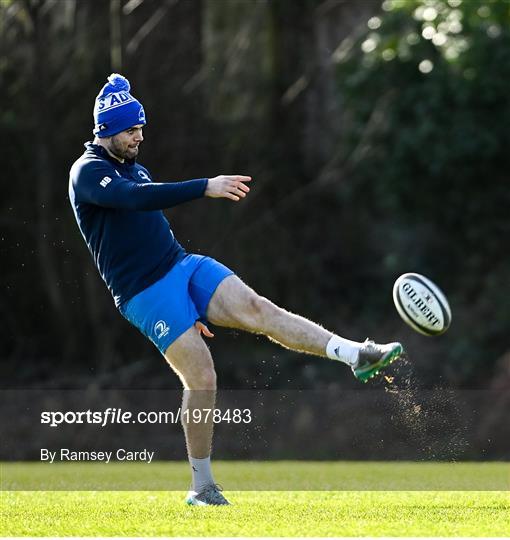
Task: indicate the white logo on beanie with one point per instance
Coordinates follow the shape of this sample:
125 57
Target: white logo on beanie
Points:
112 101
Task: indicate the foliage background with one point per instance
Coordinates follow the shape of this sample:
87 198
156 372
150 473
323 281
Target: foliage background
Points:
377 138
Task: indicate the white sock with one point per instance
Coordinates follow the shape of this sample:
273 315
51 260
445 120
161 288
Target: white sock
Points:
201 471
342 349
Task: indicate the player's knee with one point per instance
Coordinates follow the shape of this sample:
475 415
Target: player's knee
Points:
260 310
203 379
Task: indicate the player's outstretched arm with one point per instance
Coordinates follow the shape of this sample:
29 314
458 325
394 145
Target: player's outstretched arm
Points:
228 186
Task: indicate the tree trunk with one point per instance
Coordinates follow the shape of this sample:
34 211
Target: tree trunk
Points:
115 36
43 165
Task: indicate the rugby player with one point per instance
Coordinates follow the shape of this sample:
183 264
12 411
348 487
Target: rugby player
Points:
169 294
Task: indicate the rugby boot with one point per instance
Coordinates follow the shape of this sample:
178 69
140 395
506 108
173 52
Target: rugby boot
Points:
373 357
208 496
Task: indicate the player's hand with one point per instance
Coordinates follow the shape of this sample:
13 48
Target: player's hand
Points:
228 186
202 329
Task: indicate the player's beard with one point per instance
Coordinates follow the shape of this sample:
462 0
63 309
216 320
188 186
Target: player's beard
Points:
123 151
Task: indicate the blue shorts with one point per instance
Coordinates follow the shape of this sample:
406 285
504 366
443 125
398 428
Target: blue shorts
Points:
166 309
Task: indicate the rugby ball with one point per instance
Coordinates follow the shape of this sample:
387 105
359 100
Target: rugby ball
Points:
421 304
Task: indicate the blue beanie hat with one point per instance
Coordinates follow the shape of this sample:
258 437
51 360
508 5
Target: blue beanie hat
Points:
115 108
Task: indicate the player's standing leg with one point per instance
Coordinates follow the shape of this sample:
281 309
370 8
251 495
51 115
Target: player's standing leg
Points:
236 305
191 359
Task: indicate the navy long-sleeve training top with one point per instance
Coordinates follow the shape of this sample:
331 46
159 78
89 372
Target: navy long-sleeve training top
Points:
119 211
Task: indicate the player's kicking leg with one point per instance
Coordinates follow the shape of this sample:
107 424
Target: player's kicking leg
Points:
236 305
191 359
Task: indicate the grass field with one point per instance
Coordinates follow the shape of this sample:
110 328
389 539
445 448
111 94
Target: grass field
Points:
261 513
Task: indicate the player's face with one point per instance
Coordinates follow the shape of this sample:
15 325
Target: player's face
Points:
125 144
